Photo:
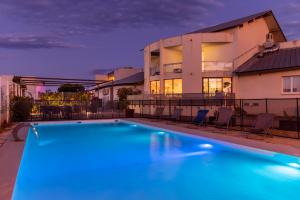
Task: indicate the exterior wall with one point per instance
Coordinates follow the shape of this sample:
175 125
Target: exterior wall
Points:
267 85
191 65
4 98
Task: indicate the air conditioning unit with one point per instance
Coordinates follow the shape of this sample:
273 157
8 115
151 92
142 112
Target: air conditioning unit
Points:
269 41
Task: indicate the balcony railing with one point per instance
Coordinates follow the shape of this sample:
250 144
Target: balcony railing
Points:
208 66
173 68
154 70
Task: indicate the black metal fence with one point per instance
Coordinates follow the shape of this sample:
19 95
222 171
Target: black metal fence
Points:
285 111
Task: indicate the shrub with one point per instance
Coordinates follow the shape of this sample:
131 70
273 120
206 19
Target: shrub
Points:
21 108
71 88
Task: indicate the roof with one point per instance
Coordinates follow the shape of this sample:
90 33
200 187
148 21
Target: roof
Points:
137 78
237 22
283 59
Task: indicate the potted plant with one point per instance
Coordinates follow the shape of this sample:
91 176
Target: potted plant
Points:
123 102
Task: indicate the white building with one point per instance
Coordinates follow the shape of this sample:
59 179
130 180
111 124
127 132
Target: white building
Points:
204 61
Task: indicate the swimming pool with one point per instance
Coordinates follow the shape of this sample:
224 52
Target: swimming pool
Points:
123 160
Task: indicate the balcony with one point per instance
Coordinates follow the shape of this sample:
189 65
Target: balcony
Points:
154 70
209 66
173 68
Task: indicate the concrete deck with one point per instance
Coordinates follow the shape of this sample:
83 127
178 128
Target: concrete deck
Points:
10 157
11 152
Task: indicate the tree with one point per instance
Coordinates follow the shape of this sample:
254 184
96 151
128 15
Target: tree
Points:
21 108
71 88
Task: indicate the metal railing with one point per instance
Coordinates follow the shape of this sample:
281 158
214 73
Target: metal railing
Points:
285 111
173 67
154 70
208 66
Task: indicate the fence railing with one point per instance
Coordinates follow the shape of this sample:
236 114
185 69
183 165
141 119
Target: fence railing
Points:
208 66
285 111
173 68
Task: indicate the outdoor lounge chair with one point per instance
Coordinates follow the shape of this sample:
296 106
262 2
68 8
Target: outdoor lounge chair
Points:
200 118
176 114
224 117
263 123
159 112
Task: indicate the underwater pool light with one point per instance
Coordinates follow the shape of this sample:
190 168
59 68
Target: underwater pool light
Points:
295 165
134 125
206 146
160 132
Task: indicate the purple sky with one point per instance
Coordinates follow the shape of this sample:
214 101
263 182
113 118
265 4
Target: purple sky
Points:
72 38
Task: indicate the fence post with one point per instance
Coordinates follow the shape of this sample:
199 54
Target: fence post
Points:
266 105
191 110
297 102
242 113
169 108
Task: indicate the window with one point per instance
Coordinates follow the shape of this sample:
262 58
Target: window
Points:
173 86
291 84
213 85
155 87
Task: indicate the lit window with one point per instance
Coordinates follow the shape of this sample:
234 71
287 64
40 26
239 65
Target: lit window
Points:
173 86
155 87
213 85
291 84
177 86
168 86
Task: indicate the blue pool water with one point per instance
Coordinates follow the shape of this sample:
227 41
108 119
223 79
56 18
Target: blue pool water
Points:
119 160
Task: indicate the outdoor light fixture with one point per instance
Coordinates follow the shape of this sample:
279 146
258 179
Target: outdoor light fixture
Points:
295 165
206 146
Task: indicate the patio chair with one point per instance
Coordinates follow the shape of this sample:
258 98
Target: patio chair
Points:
263 124
159 112
176 114
201 116
224 117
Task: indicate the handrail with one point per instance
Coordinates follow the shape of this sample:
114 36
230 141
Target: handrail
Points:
246 52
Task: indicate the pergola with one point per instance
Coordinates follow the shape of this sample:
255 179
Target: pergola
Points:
24 81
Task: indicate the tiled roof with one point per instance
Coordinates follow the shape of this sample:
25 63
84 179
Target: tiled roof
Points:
137 78
235 23
283 59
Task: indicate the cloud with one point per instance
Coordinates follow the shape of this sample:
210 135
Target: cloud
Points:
87 16
33 42
290 13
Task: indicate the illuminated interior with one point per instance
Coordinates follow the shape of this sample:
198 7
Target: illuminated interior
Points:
173 86
155 87
213 85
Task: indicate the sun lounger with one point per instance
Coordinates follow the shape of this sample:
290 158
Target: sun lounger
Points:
176 114
263 123
224 117
159 112
200 118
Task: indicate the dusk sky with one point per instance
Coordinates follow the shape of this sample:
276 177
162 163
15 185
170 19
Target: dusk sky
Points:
72 38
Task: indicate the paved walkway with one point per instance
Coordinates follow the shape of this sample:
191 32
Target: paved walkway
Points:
10 157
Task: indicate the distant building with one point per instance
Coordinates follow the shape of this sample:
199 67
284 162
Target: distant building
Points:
125 77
